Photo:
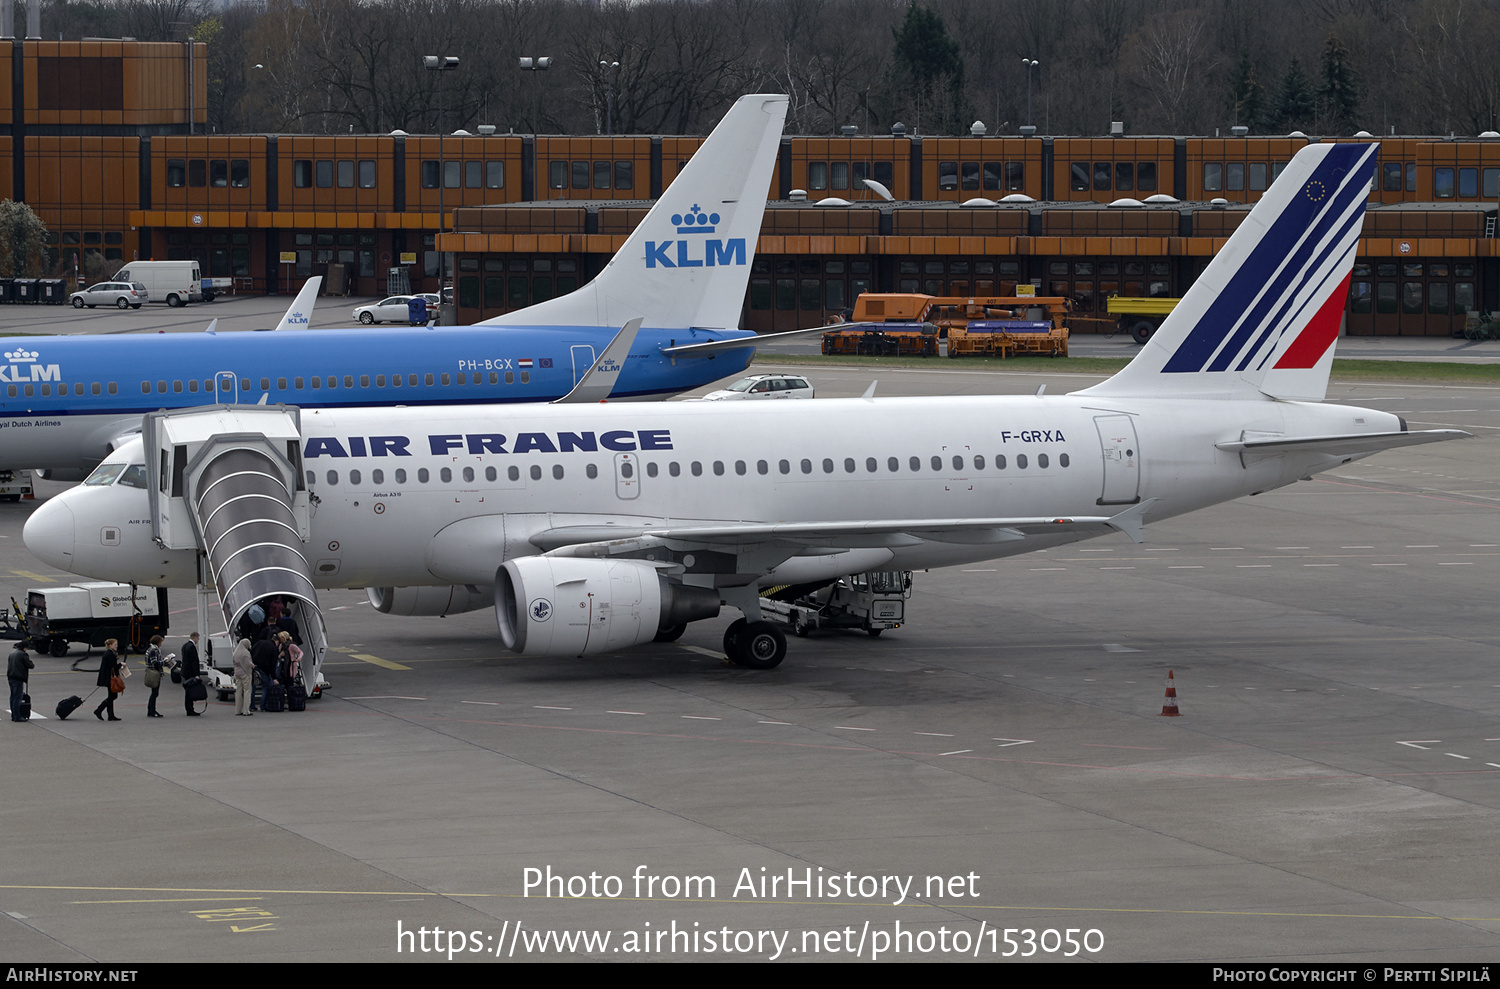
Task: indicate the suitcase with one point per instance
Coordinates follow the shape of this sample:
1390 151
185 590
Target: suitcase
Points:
67 706
23 710
275 699
296 696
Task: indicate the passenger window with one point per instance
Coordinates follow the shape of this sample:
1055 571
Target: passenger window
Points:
333 381
333 477
354 477
937 463
379 381
1020 461
999 461
445 379
400 475
827 465
510 378
651 469
364 381
145 387
916 463
525 377
1041 460
490 474
423 476
193 386
298 383
94 388
468 473
718 468
348 381
557 472
265 384
536 472
446 475
979 463
848 465
807 466
377 476
161 387
311 479
958 463
674 469
514 473
761 467
697 469
177 387
784 466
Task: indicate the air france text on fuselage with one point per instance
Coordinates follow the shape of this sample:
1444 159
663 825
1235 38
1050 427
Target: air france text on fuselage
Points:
443 444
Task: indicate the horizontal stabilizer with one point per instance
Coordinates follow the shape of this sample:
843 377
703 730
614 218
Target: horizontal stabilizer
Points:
740 343
1348 445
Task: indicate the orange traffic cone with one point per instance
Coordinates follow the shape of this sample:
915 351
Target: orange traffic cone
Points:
1169 706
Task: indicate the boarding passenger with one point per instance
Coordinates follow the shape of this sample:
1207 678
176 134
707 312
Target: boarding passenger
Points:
110 678
156 665
244 672
192 670
18 670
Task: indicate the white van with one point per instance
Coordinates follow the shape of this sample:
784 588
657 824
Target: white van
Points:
174 282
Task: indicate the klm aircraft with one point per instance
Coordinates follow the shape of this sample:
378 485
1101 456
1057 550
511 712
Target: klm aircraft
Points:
65 403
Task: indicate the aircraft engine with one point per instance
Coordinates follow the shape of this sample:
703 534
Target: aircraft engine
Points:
439 601
562 606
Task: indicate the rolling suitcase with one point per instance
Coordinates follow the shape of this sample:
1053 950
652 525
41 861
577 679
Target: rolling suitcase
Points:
67 706
23 710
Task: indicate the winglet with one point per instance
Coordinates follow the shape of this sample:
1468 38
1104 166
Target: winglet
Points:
869 395
213 327
599 380
299 313
1132 521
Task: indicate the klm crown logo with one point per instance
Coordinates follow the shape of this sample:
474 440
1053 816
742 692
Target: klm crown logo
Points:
23 367
715 253
695 222
15 356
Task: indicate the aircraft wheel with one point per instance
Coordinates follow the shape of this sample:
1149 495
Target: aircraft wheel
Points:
1141 331
122 303
366 318
671 634
78 303
761 646
731 638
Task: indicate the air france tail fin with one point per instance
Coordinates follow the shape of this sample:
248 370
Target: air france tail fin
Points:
688 263
1263 316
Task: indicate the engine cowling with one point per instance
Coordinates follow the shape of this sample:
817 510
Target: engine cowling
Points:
431 601
562 606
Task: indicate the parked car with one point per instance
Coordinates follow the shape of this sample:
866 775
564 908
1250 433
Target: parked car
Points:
765 386
393 309
117 294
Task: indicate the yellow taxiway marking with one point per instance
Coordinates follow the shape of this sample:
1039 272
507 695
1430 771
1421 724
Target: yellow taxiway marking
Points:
35 576
179 899
377 661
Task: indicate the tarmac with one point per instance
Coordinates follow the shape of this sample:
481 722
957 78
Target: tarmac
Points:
992 780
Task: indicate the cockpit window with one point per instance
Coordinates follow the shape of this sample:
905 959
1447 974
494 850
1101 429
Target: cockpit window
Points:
105 474
134 476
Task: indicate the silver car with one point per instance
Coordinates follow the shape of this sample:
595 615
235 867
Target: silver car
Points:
121 295
394 309
764 386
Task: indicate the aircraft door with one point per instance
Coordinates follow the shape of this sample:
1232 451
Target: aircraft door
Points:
583 359
1122 460
227 387
627 476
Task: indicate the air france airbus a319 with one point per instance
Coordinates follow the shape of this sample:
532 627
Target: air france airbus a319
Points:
66 402
591 529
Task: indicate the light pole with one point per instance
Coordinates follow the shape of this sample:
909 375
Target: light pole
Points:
611 75
538 64
1030 64
255 71
441 64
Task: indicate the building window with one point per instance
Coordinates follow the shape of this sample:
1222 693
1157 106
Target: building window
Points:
325 174
473 175
494 175
176 173
1213 177
367 174
346 174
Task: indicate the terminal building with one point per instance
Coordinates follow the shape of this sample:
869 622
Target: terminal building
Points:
105 141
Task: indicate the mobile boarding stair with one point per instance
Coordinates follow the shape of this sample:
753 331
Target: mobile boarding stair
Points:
228 483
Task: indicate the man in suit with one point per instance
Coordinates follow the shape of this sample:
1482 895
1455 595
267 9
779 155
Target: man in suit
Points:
191 668
17 670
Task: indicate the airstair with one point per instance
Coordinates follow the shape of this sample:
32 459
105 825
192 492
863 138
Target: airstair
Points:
228 483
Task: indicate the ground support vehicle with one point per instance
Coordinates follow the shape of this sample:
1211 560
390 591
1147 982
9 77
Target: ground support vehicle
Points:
872 602
926 326
174 282
15 485
1139 317
93 612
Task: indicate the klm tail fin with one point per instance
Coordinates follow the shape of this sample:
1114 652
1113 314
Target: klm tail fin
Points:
688 263
1263 316
299 313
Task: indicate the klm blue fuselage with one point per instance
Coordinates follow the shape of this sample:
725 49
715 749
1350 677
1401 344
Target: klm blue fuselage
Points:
64 400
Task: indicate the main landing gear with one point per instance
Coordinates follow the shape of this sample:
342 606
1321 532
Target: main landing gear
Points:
754 645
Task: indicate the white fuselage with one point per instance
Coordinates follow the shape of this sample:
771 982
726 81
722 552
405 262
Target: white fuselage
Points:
445 495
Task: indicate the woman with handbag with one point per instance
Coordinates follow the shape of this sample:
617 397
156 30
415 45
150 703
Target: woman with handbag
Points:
155 666
110 677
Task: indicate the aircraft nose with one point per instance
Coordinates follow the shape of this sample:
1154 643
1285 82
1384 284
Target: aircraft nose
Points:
49 533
